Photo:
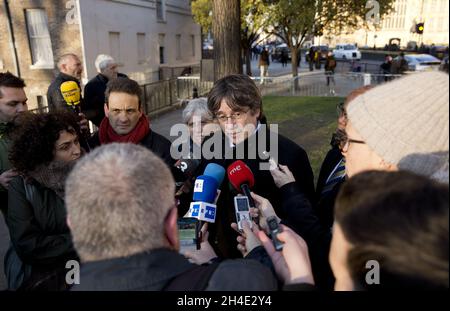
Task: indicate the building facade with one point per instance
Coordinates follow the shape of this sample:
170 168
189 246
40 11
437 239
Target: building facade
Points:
400 23
146 37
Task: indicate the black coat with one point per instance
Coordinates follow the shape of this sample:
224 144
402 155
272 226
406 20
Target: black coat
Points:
38 227
94 98
324 208
154 270
153 141
222 236
299 216
55 99
39 233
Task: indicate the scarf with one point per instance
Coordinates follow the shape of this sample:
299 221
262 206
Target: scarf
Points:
107 134
53 176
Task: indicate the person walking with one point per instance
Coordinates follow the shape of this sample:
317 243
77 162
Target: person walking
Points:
264 63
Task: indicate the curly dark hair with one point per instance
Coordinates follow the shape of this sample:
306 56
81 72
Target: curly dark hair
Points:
33 141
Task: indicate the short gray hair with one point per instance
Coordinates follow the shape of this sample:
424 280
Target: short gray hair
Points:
103 61
117 199
197 106
63 59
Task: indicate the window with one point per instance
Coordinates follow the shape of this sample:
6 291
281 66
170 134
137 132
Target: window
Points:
193 45
161 39
161 10
178 46
142 54
39 37
114 45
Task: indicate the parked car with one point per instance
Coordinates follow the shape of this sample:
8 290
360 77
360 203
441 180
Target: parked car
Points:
323 52
421 62
347 52
279 49
439 51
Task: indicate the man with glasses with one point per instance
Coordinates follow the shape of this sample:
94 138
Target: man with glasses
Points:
124 121
236 103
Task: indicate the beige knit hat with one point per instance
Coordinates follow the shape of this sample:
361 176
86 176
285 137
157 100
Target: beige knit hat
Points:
406 122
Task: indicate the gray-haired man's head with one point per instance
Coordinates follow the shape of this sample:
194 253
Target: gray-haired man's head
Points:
120 202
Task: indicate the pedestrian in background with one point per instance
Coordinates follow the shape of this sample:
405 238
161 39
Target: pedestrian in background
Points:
264 63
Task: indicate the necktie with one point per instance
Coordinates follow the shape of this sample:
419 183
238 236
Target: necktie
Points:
335 177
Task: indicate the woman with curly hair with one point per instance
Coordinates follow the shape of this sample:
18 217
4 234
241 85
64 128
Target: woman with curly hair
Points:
44 150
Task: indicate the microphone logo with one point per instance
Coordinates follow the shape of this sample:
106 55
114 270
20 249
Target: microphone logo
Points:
183 167
235 169
198 187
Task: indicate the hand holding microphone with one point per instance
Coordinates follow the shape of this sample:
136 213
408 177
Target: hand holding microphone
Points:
206 253
71 93
203 208
242 179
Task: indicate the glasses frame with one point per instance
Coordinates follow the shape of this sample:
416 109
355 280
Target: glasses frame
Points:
238 115
347 143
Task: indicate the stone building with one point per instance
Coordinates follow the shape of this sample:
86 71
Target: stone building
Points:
150 39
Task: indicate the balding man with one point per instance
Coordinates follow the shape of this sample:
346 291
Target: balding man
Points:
70 69
123 217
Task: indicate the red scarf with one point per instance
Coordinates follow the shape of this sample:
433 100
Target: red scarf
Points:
107 134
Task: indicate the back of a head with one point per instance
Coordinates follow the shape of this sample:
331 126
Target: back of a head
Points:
117 199
404 117
400 220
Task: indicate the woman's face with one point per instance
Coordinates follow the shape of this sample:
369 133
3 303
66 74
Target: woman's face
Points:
67 147
201 127
359 157
338 260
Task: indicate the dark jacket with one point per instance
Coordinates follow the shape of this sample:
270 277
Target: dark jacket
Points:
154 270
324 208
38 228
55 99
153 141
222 236
94 98
330 64
301 218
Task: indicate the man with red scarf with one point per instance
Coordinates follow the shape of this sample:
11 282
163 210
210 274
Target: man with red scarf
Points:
124 121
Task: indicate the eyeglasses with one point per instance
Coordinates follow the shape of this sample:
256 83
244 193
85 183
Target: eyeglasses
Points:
347 142
235 116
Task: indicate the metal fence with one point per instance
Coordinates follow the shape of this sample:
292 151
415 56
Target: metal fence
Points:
340 84
166 93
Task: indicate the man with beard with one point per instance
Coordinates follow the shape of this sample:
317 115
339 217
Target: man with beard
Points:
13 102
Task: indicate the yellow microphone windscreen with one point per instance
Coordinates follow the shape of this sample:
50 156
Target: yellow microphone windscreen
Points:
71 93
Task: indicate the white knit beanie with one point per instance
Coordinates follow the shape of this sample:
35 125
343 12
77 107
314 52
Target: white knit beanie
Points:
406 122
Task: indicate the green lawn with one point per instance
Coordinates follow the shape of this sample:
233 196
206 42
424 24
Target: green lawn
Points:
309 121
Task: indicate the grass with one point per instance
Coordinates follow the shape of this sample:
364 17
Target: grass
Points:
308 121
